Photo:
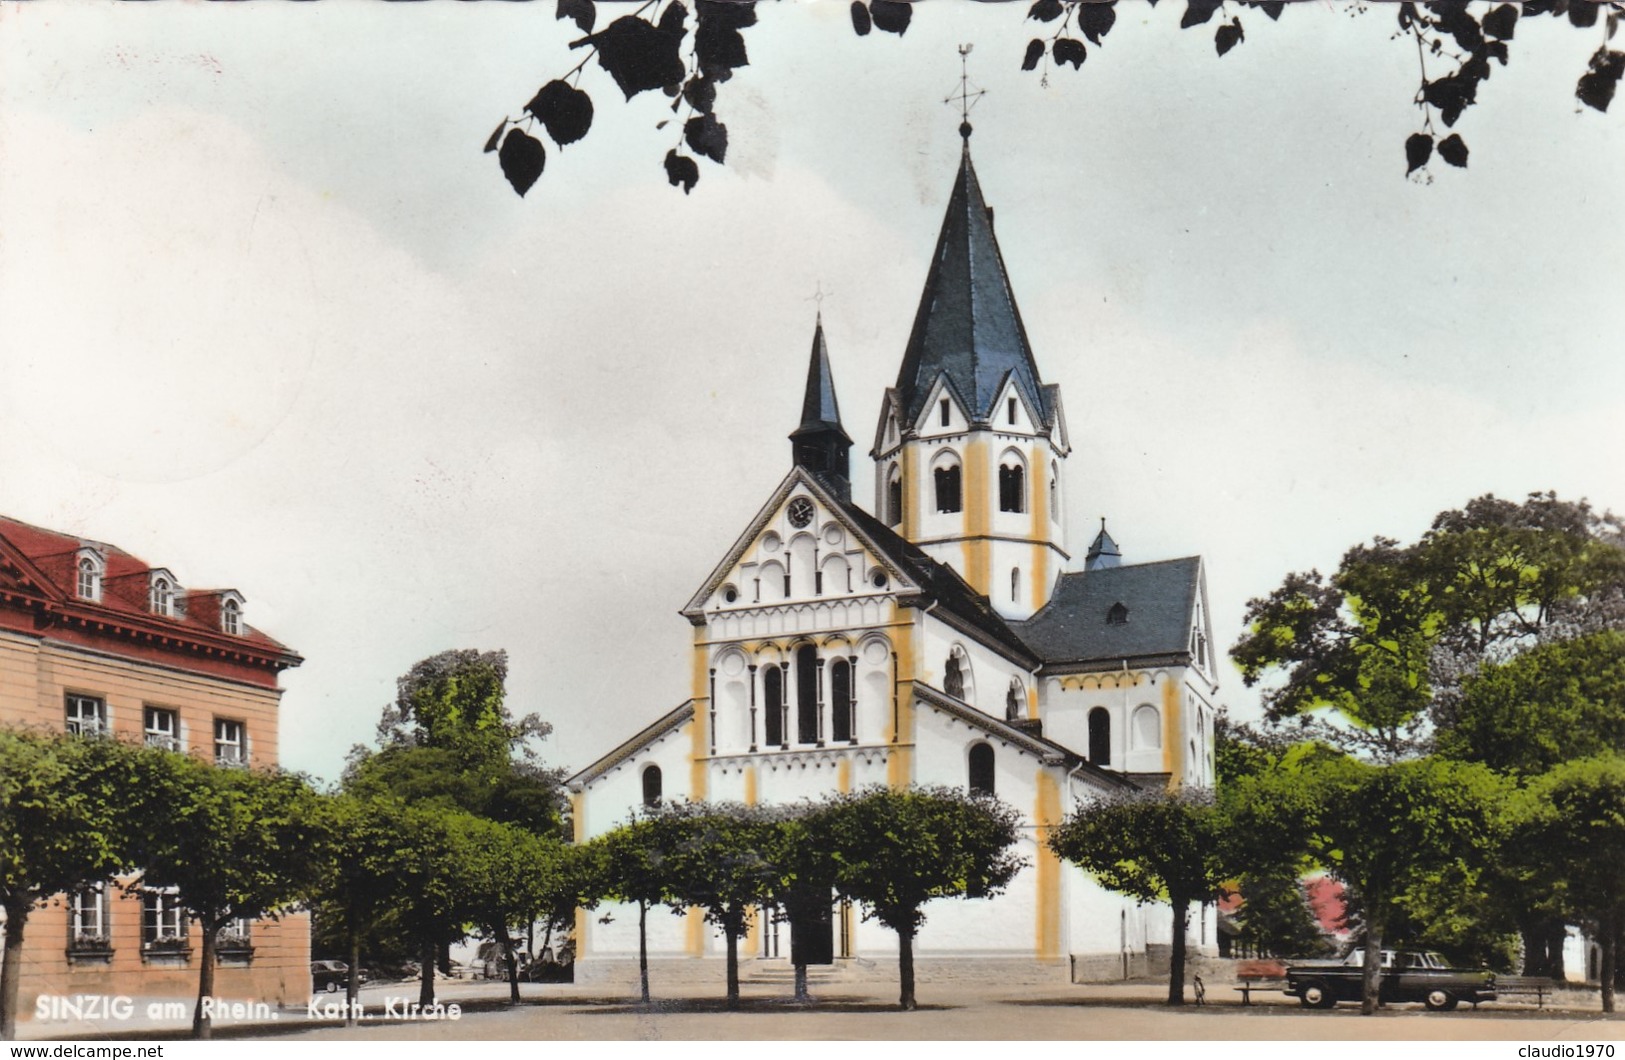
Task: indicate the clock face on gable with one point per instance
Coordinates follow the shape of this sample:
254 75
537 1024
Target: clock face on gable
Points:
801 512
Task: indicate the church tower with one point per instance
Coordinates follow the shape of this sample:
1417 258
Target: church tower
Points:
970 453
819 443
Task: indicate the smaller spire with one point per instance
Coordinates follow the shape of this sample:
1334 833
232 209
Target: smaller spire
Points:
1103 551
819 443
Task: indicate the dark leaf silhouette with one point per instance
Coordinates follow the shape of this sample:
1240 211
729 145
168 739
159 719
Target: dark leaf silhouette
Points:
581 11
680 169
701 94
1067 50
564 110
1227 37
1418 149
1198 12
522 158
860 17
1453 150
637 55
707 137
1273 8
496 137
1596 87
1452 18
1046 10
890 15
1501 22
1494 49
1035 52
1451 95
1583 13
718 44
674 19
1408 16
1095 20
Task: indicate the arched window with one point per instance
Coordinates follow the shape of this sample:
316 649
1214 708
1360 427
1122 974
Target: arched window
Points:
1012 485
231 618
807 694
1147 726
1100 736
953 678
90 579
946 478
981 769
651 785
894 497
842 705
163 596
773 703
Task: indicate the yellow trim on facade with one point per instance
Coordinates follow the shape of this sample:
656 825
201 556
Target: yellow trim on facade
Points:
843 775
750 785
900 763
1172 761
1047 814
977 516
753 934
695 930
911 482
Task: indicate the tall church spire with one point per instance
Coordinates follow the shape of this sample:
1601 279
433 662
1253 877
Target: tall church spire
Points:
967 326
820 444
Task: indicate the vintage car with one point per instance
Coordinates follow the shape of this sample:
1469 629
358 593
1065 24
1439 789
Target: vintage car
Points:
332 976
1406 975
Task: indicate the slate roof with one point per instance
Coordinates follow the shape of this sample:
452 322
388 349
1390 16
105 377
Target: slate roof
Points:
967 325
819 410
1073 626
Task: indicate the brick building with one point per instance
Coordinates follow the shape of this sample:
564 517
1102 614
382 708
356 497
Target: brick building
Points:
97 642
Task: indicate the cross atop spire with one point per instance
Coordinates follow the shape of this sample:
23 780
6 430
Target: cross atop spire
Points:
967 96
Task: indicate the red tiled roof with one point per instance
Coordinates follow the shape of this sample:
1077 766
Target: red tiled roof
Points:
124 598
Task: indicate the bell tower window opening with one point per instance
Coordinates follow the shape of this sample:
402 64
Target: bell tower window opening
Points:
1012 487
894 497
981 769
652 792
947 483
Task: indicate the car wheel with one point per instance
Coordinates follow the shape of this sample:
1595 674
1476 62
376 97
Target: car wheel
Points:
1438 1000
332 987
1315 995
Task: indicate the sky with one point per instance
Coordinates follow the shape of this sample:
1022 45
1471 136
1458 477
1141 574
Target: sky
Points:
273 321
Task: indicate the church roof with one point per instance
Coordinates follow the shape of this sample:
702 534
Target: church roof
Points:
819 410
1078 625
956 599
967 326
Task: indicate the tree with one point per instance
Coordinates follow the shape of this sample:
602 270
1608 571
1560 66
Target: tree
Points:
895 850
234 843
1579 809
721 857
512 877
652 47
1155 846
58 828
1385 642
629 864
1393 832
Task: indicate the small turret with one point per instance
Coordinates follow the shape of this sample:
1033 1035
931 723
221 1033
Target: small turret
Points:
820 444
1103 551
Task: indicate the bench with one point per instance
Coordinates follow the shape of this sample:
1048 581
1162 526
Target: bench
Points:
1259 975
1540 986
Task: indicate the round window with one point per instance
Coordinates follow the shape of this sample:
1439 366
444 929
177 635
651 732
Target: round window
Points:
878 578
730 594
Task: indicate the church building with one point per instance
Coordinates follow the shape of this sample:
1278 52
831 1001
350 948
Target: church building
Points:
944 635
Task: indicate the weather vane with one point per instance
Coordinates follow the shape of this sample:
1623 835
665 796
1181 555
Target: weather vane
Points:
818 296
967 96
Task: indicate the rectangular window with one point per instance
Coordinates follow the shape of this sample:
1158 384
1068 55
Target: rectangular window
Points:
88 915
87 715
1012 410
233 937
161 728
945 412
162 921
229 747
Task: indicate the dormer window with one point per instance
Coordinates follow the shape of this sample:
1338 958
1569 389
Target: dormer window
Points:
162 596
1118 615
231 617
946 414
89 581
